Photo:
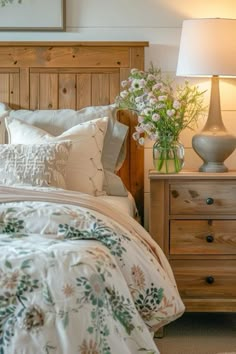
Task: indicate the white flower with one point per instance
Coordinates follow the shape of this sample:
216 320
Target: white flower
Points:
176 104
146 112
162 98
139 129
136 136
161 105
137 84
157 86
153 101
124 94
170 112
140 119
153 136
141 141
155 117
148 127
124 83
139 99
151 77
142 83
134 71
140 106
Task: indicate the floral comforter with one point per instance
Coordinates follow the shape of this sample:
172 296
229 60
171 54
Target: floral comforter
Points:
77 276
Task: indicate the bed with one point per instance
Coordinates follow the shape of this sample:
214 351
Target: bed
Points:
78 272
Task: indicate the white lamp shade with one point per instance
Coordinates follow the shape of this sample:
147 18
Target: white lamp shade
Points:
207 48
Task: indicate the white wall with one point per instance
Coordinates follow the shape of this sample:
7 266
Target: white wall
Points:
156 21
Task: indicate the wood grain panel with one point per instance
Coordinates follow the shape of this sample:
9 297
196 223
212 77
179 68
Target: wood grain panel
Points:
210 305
14 90
24 88
100 89
192 197
192 278
64 56
157 201
136 57
48 91
34 90
67 91
84 90
114 84
5 87
202 237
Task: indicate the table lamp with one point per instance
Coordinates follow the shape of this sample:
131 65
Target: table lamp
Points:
208 48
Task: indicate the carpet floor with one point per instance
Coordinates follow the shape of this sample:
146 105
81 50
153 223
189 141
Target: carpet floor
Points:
200 333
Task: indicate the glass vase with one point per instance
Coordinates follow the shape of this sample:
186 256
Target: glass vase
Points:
168 155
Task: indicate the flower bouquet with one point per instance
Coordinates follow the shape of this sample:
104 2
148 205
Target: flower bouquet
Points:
163 110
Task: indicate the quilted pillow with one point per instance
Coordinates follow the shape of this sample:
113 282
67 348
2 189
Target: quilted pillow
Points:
84 170
35 165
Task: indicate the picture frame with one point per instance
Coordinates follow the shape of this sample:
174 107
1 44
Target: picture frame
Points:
33 15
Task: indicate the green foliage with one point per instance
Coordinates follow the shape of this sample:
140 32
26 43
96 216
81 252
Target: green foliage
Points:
98 231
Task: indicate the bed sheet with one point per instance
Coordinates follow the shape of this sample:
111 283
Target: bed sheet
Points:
124 204
79 277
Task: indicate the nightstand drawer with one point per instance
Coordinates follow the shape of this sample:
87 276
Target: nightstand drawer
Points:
215 197
203 237
205 279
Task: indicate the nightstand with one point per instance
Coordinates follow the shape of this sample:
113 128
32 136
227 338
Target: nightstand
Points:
193 219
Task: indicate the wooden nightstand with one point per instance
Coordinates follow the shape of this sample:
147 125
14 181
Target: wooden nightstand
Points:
193 219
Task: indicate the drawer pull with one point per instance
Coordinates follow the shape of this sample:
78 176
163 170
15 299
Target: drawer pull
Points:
210 279
210 201
209 238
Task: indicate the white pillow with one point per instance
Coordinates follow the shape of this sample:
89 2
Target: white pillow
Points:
84 170
55 122
35 165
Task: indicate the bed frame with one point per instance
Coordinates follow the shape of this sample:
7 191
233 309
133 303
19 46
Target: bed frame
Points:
56 75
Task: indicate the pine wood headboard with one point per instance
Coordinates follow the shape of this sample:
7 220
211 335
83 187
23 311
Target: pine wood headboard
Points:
56 75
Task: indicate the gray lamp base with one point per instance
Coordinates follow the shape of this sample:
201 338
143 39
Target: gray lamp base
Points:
214 144
213 150
213 167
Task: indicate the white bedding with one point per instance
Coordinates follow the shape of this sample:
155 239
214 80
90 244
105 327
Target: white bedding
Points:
79 276
124 204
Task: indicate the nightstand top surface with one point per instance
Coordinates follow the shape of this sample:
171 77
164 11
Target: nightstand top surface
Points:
191 174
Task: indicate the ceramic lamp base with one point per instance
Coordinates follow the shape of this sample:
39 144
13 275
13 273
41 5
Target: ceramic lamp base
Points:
213 150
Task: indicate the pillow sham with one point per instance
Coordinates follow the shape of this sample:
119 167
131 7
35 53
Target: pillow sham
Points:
113 185
84 170
35 165
55 122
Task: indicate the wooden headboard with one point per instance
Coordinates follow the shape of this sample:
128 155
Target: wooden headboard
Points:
56 75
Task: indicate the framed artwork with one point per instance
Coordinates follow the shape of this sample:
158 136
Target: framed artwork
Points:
32 15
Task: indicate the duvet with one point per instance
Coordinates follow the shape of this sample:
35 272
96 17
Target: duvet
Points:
77 276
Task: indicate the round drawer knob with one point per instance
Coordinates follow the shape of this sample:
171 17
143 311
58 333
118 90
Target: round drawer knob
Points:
210 279
209 201
209 238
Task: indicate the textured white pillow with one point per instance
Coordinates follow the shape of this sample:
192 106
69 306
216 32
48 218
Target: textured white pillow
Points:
84 170
35 165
